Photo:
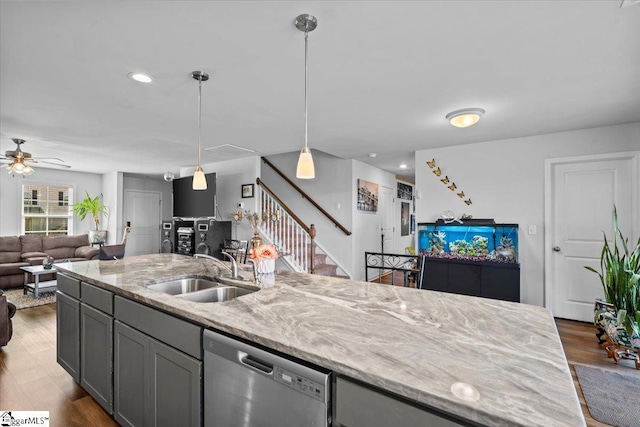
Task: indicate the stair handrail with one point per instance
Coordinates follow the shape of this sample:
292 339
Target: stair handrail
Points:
284 206
306 196
309 229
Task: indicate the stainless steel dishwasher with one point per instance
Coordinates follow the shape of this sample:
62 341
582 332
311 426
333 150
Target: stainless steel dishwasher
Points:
245 386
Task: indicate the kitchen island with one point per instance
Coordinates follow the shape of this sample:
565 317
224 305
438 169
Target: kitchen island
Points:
420 345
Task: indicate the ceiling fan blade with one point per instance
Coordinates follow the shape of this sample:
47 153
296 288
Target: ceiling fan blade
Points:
54 164
48 158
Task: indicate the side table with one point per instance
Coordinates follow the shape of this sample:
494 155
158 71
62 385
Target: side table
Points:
37 285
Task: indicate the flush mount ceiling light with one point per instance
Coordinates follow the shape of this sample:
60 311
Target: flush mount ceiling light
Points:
305 169
403 166
140 77
199 180
465 117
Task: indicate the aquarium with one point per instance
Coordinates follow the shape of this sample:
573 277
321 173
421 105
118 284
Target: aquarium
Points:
473 240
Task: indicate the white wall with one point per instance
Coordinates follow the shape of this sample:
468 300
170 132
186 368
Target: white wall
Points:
505 181
230 175
330 189
366 225
134 182
11 195
113 197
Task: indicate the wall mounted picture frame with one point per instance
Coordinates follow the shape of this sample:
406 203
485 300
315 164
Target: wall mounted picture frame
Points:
404 219
247 191
367 196
405 191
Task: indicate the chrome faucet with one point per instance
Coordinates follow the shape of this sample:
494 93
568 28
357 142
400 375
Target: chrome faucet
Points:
234 265
256 279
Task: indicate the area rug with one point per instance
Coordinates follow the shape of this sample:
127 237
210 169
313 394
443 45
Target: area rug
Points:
612 398
26 301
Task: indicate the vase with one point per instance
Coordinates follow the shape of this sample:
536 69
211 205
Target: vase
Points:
255 241
266 266
97 236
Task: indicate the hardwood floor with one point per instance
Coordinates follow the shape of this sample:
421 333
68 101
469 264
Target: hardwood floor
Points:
31 379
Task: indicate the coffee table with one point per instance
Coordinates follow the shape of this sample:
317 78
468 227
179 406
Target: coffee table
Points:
37 286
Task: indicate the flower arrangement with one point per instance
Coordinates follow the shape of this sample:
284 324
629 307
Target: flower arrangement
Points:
254 220
263 252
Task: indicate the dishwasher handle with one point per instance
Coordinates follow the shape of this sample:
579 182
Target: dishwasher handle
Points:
255 363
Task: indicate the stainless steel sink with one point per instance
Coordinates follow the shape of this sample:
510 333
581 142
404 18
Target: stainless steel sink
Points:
217 294
182 286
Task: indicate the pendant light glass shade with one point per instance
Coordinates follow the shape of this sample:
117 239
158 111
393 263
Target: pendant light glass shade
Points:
199 180
305 169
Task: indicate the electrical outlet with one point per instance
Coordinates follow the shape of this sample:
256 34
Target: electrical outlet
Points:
532 229
240 205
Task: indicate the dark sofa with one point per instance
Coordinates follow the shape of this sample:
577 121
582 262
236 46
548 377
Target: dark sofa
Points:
20 251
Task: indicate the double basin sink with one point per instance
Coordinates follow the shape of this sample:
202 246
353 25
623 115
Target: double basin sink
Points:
200 289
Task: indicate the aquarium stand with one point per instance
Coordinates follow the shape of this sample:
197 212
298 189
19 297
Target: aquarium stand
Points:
499 281
476 257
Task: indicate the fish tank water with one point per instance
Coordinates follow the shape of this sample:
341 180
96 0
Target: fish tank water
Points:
472 240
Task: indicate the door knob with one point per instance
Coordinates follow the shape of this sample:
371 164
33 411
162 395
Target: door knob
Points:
556 248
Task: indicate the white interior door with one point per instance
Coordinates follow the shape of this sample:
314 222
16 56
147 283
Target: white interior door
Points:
580 195
386 211
142 210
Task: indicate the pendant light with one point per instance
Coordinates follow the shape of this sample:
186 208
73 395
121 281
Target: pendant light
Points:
305 169
199 180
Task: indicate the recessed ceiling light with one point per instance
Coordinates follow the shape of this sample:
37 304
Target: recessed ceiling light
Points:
403 166
140 77
465 117
372 154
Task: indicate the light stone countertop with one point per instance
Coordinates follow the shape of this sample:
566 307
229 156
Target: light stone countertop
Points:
411 342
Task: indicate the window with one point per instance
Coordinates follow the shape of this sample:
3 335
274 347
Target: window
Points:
46 210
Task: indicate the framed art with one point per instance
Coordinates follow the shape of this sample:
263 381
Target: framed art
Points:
405 191
247 191
404 219
367 196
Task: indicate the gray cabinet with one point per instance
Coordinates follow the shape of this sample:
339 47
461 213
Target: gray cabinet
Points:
357 405
155 383
85 337
175 387
131 355
68 334
96 355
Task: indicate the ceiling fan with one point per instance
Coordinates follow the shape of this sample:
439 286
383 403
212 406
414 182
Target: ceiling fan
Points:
17 159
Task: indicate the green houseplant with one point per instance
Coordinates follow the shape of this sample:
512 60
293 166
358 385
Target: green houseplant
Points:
92 206
620 276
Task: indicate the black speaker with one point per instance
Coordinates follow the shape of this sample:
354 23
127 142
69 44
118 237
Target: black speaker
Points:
167 237
210 236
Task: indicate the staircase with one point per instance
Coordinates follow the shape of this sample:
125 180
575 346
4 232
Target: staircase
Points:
294 239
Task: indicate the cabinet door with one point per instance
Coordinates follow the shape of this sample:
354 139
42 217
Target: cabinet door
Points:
501 283
356 405
96 355
175 397
435 276
464 279
68 334
131 351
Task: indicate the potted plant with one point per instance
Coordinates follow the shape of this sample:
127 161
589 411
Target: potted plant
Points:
95 207
620 277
